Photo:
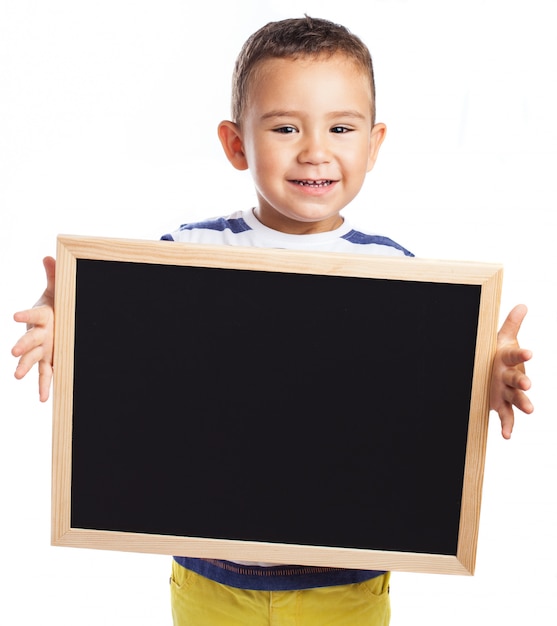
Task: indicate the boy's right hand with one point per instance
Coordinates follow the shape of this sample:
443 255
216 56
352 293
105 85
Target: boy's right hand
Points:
37 345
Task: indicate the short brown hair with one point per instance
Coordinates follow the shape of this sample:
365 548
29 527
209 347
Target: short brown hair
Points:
293 38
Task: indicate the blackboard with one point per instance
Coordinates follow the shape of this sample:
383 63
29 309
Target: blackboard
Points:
271 405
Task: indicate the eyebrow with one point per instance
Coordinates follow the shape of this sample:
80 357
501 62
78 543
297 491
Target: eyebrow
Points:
349 113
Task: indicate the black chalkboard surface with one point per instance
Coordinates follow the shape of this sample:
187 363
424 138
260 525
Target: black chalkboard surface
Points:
269 403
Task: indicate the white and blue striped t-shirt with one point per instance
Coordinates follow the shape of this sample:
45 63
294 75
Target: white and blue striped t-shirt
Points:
244 229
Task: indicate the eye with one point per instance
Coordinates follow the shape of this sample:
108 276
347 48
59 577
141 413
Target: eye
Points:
285 130
341 129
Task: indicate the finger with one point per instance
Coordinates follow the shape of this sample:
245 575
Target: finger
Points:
27 361
506 415
512 356
512 397
23 316
45 379
516 379
37 316
521 401
32 339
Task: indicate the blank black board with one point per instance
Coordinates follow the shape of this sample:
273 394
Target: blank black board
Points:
271 406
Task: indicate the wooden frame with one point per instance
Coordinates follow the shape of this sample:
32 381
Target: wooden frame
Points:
89 254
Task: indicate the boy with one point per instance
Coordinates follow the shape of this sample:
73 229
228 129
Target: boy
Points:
303 109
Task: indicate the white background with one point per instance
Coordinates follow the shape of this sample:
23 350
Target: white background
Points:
108 115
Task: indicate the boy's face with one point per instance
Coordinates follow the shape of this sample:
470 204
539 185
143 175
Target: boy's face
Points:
307 138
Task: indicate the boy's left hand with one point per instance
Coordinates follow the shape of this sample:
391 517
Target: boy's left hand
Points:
509 381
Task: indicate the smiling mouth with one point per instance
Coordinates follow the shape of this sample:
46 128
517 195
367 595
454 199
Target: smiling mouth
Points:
313 183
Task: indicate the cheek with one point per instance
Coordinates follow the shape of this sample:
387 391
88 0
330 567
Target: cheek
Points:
267 164
367 161
358 162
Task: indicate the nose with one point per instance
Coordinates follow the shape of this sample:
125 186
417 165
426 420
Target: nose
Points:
314 148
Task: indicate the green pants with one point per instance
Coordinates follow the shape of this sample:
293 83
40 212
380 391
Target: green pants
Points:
198 601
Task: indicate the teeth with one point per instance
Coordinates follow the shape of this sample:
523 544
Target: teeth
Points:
313 183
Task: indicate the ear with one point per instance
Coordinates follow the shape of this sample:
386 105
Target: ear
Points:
231 140
378 133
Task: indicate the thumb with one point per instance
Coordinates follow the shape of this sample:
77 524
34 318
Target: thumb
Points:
511 326
50 269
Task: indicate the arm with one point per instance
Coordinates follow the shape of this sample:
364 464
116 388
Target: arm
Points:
509 381
37 345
